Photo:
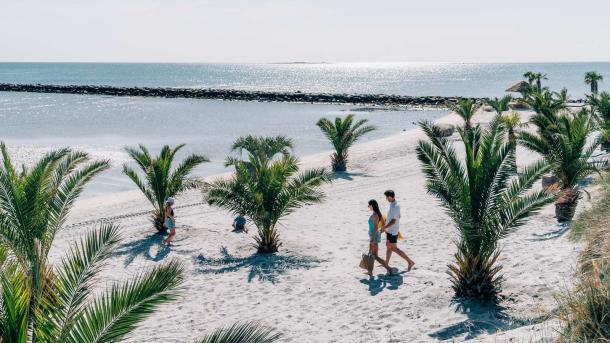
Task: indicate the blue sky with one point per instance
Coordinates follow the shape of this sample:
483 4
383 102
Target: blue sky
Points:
308 30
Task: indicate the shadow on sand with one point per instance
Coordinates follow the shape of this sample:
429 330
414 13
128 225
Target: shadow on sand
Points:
561 230
149 247
264 267
482 319
383 281
348 176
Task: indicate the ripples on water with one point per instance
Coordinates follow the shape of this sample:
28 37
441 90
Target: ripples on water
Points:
443 79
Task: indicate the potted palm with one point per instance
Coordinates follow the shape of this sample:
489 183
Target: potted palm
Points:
266 187
343 133
568 151
160 178
484 198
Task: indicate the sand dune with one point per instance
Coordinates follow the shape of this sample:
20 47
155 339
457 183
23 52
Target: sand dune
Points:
313 290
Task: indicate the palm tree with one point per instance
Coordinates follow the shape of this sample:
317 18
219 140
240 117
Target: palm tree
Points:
267 192
539 77
343 133
466 109
568 152
535 77
483 197
512 121
547 106
531 77
262 150
500 105
159 181
600 105
41 303
592 78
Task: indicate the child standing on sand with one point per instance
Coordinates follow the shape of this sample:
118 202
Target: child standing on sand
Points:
170 220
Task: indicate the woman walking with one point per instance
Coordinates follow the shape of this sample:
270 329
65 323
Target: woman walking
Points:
375 234
170 220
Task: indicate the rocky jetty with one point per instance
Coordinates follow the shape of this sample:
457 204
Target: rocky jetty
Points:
232 94
235 94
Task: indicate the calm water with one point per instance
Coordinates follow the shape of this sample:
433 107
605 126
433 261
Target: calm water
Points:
443 79
34 123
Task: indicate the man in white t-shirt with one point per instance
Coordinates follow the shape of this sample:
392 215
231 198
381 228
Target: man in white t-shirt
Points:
391 229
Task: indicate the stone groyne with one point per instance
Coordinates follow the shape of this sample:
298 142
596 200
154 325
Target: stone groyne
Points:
236 94
233 94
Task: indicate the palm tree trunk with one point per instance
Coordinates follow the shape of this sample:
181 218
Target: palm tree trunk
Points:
539 85
475 277
267 240
158 220
339 164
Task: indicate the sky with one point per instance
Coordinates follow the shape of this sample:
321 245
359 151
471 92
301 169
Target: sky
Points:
307 30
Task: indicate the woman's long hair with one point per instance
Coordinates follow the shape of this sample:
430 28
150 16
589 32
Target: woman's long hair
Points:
373 203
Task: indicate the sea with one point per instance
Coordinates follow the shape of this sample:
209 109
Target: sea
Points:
34 123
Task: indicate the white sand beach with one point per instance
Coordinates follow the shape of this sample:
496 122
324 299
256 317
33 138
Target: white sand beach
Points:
313 289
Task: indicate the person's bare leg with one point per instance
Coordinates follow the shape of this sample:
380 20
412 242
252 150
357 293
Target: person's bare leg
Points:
169 238
406 257
388 253
375 252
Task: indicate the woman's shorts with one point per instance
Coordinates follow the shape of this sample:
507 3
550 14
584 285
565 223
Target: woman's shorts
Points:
377 238
169 223
391 238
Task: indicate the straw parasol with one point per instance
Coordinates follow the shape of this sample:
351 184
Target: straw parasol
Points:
518 87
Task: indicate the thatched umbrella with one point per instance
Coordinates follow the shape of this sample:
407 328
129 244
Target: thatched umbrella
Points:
519 87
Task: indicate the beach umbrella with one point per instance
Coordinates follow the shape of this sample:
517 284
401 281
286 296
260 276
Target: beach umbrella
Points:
518 87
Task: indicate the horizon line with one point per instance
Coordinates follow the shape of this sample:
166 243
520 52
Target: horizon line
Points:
301 62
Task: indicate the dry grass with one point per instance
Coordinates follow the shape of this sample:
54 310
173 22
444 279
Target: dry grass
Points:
585 311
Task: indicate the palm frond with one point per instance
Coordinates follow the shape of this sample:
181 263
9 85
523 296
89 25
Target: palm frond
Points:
113 315
76 275
242 333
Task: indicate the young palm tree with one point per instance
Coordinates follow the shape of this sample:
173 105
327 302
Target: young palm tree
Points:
41 303
267 192
567 150
483 197
592 78
262 150
466 109
500 105
343 133
547 106
159 180
512 122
